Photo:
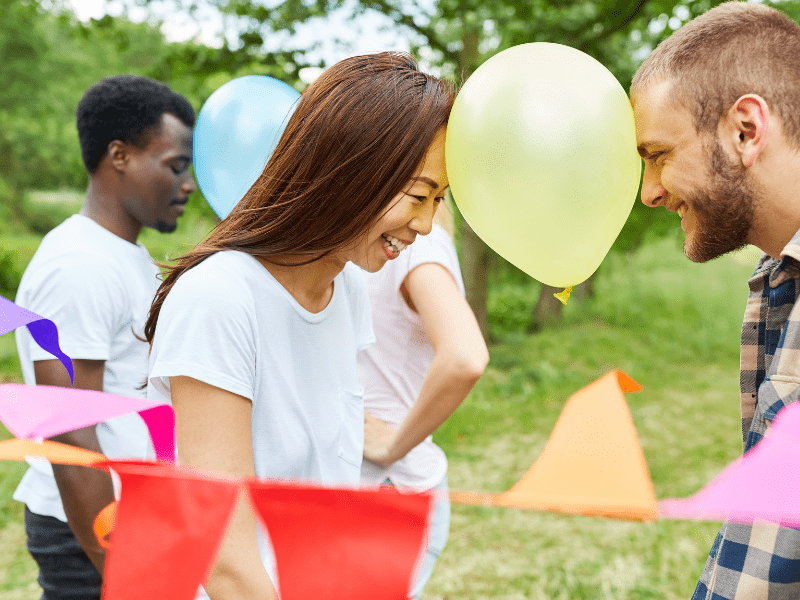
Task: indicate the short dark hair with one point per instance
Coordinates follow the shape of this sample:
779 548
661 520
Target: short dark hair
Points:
127 108
734 49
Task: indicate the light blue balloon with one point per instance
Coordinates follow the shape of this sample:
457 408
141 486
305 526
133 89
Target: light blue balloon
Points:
235 134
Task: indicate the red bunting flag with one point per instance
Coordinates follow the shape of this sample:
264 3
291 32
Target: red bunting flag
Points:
332 544
169 527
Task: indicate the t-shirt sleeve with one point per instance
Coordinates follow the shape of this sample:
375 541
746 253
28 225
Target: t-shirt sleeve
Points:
207 330
360 307
436 247
85 297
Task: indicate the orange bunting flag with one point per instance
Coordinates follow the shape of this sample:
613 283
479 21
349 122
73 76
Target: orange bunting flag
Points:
364 546
56 452
593 463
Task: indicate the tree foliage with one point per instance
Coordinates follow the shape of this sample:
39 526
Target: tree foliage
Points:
50 58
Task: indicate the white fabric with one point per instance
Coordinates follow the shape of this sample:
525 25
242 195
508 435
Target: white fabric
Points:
392 370
97 289
229 323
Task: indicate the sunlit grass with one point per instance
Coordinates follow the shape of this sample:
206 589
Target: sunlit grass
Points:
673 326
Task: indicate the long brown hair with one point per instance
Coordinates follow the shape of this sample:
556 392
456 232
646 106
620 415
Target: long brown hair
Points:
353 143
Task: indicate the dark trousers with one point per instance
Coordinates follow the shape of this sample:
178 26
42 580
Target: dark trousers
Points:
65 572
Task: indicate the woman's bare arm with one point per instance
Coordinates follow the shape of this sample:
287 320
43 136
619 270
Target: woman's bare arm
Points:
461 356
213 432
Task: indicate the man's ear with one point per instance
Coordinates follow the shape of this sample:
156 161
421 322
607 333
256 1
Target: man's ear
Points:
118 155
748 125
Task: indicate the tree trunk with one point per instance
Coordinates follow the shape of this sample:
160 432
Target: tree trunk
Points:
475 257
548 308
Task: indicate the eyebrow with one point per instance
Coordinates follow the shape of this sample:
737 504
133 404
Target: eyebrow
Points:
430 182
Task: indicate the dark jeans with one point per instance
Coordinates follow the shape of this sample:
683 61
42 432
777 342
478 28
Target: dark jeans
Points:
65 572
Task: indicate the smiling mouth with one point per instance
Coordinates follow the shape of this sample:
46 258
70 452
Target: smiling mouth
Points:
393 244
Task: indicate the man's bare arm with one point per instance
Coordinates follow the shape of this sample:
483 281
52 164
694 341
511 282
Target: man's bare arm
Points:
84 491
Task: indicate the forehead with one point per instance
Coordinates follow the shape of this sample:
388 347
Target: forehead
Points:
660 121
433 166
172 137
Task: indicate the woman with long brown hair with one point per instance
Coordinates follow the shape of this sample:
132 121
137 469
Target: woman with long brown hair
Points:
254 333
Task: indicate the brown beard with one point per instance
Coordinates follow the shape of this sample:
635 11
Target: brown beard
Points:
724 210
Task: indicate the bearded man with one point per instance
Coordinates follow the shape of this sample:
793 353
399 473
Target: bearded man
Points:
717 111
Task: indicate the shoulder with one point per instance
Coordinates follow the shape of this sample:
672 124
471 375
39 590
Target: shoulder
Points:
354 278
225 275
437 243
437 248
82 248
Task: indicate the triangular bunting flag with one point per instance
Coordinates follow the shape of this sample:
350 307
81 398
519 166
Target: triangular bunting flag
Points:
592 464
762 484
42 411
332 544
43 331
55 452
169 527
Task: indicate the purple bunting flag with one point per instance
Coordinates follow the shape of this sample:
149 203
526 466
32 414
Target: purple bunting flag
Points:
44 331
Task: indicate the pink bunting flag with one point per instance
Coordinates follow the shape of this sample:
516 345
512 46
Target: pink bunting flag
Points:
43 331
762 484
42 411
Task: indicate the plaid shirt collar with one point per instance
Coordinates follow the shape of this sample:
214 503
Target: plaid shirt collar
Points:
763 324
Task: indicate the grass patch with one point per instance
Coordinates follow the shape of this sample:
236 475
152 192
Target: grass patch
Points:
672 325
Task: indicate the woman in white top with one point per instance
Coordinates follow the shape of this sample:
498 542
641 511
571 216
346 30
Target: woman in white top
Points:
254 333
428 354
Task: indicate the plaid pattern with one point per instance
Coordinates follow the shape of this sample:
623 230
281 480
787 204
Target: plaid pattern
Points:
762 561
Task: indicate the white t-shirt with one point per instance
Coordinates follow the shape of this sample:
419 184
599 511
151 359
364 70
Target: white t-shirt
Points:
393 369
97 288
229 323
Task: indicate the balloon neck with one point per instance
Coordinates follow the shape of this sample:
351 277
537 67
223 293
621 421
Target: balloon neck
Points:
564 296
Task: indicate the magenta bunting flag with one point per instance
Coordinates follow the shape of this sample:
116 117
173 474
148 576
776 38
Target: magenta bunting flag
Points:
762 484
42 411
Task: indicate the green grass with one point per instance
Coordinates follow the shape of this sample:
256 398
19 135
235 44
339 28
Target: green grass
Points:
674 327
670 324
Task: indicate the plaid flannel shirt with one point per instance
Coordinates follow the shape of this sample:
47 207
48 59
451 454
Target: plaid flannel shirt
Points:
762 561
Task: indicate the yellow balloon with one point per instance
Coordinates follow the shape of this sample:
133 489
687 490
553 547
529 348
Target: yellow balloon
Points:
541 158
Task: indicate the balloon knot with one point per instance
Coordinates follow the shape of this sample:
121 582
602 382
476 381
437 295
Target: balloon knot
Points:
564 296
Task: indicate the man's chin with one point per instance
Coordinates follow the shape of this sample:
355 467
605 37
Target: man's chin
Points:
164 227
704 252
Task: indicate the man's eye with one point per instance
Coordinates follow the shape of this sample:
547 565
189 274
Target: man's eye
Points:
439 199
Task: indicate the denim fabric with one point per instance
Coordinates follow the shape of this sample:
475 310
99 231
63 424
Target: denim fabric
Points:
437 538
65 572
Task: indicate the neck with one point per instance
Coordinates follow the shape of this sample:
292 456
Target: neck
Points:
777 218
311 285
103 207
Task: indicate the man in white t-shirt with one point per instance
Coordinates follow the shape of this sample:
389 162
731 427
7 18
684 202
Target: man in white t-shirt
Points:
96 283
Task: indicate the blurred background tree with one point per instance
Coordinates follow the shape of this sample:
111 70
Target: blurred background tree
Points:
50 58
456 36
